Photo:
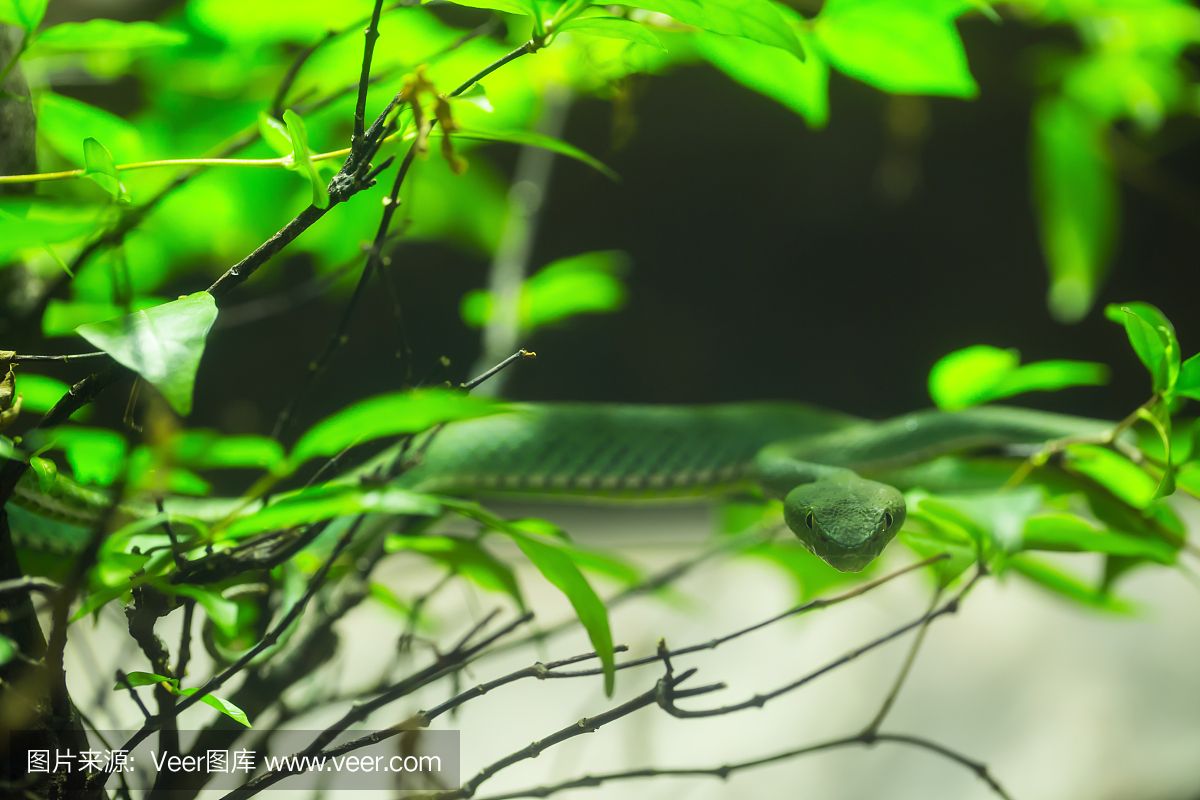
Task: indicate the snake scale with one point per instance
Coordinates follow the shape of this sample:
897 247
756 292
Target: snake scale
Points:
828 468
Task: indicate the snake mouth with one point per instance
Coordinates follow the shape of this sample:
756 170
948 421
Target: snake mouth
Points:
845 558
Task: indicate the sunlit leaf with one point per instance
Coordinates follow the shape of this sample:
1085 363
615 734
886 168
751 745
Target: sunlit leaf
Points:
1070 533
528 139
210 450
136 678
275 134
324 502
556 566
980 374
62 317
582 284
302 157
1113 471
39 393
389 415
468 558
757 20
100 167
899 46
519 7
30 223
96 455
612 28
163 344
1067 585
63 121
221 704
1188 384
46 472
1076 196
1152 337
26 14
103 34
802 86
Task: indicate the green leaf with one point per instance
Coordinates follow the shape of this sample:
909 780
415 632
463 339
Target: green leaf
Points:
527 139
518 7
63 121
1113 471
899 46
221 611
582 284
26 14
556 566
221 704
210 450
1188 478
328 501
802 86
612 28
63 317
8 650
1067 585
275 134
144 679
1076 197
96 455
1069 533
389 415
1188 384
302 157
100 167
1152 337
810 575
981 373
1159 419
39 393
163 344
757 20
46 472
103 34
467 558
27 224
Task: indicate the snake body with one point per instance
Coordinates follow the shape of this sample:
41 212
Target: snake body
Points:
826 467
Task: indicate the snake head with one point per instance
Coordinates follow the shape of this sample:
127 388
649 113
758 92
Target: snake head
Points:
847 522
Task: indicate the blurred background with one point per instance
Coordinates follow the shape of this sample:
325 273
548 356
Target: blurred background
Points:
764 257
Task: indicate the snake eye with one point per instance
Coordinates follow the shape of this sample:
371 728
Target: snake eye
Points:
887 519
808 520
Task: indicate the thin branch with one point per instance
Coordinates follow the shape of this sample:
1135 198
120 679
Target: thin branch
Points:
18 358
905 668
514 358
724 771
761 699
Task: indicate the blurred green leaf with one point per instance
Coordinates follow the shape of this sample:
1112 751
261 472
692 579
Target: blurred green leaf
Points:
163 344
96 455
1114 472
981 373
211 450
63 121
757 20
103 34
557 566
389 415
1188 478
1070 533
267 21
39 393
221 611
8 649
467 558
324 502
29 223
26 14
1067 585
100 167
1159 419
810 575
899 46
1076 196
802 86
581 284
302 157
63 317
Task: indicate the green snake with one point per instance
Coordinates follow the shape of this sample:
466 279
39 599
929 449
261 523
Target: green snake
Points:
828 469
